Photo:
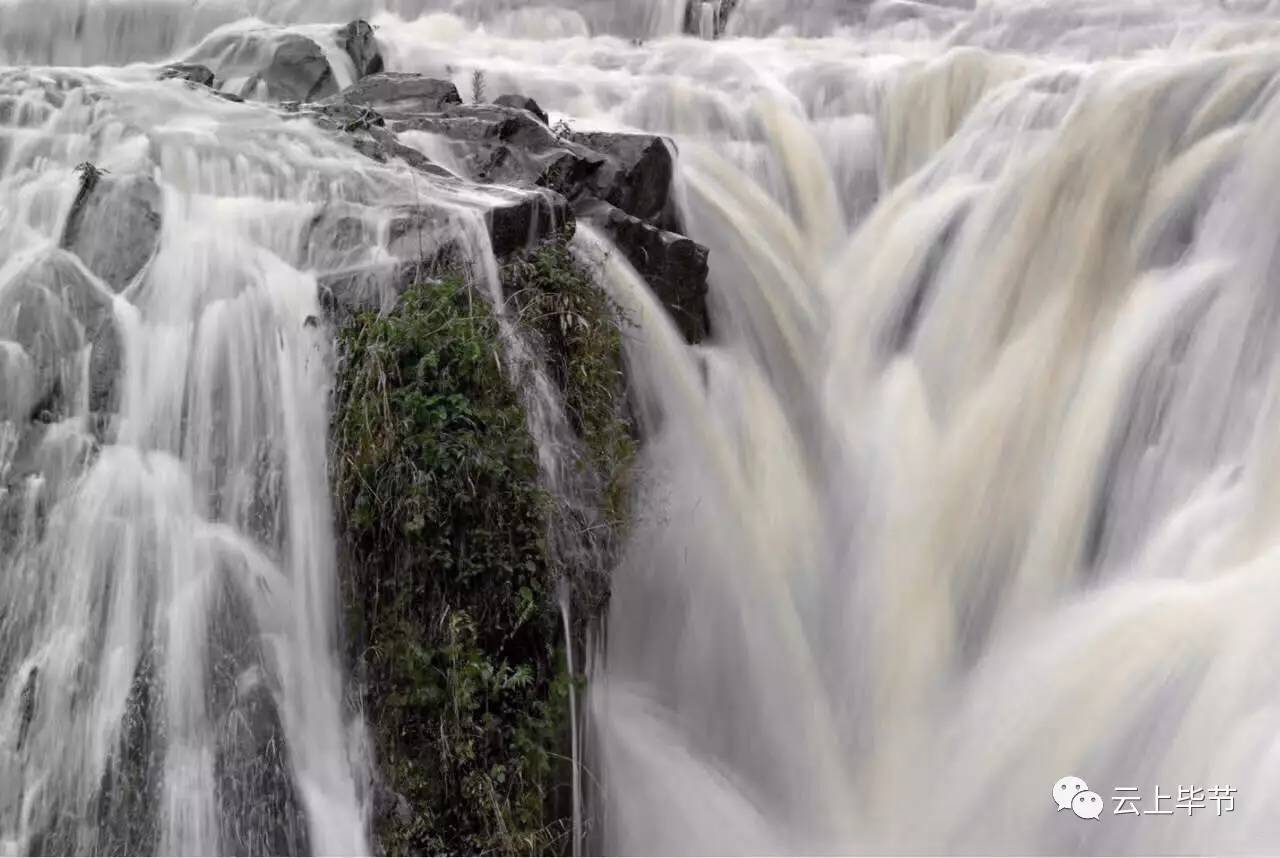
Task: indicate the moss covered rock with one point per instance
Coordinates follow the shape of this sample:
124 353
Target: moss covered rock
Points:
449 574
449 586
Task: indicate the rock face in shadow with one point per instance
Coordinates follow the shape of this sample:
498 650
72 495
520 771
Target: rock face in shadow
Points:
535 176
636 174
298 71
507 145
674 266
621 181
525 220
360 43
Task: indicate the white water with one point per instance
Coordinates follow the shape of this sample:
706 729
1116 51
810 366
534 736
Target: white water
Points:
169 669
975 486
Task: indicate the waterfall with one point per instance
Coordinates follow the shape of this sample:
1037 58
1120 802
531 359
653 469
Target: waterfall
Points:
974 485
971 488
170 677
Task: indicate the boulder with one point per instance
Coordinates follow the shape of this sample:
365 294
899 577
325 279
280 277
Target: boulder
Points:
191 72
114 226
675 267
395 94
360 43
46 314
298 71
637 173
521 102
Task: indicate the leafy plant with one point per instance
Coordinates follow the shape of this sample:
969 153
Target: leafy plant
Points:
477 87
89 174
581 331
450 592
448 575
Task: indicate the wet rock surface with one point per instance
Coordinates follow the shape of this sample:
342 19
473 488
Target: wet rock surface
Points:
522 102
298 71
674 266
412 245
361 44
620 181
114 226
528 179
636 174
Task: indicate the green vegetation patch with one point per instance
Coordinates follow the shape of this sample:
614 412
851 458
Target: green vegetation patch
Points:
448 579
581 330
449 588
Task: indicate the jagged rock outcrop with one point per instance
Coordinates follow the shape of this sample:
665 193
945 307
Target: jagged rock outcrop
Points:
525 219
298 71
510 145
674 266
114 230
522 102
636 174
621 181
361 44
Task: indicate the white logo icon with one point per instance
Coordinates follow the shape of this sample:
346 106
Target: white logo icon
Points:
1087 805
1066 789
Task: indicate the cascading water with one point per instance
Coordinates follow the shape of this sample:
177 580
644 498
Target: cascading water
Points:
168 645
973 487
168 634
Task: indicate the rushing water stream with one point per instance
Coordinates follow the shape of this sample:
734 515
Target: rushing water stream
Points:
973 487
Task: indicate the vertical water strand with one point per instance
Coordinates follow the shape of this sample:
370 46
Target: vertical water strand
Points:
575 748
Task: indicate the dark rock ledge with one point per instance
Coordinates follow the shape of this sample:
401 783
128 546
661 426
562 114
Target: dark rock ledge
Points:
620 182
